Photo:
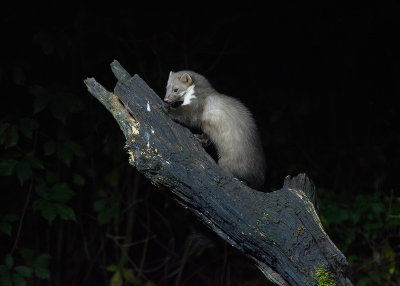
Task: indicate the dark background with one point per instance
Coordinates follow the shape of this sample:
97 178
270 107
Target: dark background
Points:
322 80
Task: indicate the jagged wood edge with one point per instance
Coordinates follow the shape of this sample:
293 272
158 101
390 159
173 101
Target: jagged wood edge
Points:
130 128
125 120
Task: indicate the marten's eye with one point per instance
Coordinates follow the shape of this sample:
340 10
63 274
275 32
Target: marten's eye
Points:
175 90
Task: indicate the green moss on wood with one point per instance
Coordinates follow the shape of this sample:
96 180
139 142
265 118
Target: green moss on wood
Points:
323 277
299 230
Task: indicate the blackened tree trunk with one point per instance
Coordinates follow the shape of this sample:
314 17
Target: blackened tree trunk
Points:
280 231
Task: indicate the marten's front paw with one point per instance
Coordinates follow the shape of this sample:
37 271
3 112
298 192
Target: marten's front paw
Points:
165 107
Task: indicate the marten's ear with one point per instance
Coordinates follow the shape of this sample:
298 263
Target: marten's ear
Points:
186 79
171 73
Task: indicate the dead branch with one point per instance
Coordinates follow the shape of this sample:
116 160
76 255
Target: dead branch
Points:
280 231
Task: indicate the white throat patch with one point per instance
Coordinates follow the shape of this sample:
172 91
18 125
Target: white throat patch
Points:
189 95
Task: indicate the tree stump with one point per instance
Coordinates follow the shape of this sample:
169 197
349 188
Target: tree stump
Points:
280 231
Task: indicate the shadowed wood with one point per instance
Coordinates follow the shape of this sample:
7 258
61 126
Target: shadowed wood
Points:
280 231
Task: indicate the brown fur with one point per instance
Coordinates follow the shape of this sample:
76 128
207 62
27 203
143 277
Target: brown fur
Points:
226 122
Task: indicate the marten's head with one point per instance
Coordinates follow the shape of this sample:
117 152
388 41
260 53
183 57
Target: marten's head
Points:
180 88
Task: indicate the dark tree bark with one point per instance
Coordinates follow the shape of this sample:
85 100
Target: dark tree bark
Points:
280 231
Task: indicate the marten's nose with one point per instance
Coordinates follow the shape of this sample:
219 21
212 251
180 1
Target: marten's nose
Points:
166 99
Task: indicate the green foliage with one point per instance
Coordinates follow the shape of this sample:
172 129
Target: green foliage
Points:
40 266
68 150
60 103
68 192
125 276
8 134
37 159
27 126
86 180
365 230
5 223
49 148
7 167
10 274
105 208
52 202
24 168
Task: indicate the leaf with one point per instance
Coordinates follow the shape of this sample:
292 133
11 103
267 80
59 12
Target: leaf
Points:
6 280
61 193
41 190
42 273
91 172
112 178
128 275
49 212
5 228
375 277
105 215
47 209
42 260
27 254
76 148
51 177
378 207
112 268
65 212
23 170
4 132
67 150
3 270
27 126
116 279
99 205
78 180
18 280
24 167
7 167
9 261
102 193
65 103
334 214
40 266
11 137
49 148
355 217
3 127
38 204
33 161
23 271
